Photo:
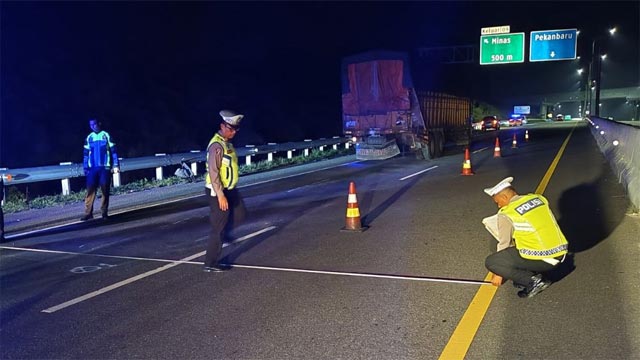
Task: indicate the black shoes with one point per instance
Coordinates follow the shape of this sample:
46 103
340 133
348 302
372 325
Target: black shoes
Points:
536 286
216 268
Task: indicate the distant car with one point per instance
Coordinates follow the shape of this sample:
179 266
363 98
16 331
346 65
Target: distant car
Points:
490 122
559 117
515 120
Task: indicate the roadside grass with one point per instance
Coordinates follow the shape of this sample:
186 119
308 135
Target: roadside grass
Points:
16 200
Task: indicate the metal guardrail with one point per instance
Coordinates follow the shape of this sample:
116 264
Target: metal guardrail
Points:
65 171
620 144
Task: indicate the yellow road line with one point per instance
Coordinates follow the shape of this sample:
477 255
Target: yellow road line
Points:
466 330
463 335
547 176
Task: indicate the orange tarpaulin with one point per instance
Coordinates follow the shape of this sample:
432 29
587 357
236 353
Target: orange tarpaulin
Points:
375 87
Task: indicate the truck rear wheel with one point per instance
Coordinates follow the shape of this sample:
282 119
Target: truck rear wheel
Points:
432 145
436 144
440 144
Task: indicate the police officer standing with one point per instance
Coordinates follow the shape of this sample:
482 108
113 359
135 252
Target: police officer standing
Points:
225 203
100 159
530 241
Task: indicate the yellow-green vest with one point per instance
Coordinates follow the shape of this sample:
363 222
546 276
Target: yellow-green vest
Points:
229 167
535 230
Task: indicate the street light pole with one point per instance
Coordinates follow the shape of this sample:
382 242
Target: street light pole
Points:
598 72
587 90
596 62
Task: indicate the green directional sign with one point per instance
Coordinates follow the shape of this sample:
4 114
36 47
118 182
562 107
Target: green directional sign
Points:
501 49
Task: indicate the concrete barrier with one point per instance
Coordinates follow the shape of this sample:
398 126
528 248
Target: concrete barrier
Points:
620 144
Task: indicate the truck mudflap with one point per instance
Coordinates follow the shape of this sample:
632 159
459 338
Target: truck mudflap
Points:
377 152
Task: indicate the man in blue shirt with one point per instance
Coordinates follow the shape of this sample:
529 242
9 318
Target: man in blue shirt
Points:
100 159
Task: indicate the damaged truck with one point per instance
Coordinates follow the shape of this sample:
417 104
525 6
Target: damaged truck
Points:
386 116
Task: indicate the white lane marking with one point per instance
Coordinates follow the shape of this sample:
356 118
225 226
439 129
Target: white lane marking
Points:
483 149
369 275
138 277
119 284
184 261
110 214
418 173
306 186
10 236
238 240
247 237
98 255
304 173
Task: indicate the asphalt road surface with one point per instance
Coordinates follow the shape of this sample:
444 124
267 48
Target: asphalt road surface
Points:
412 286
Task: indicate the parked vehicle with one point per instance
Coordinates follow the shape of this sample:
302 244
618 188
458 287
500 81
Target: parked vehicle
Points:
490 122
383 112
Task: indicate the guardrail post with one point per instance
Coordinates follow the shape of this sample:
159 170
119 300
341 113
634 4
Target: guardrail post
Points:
66 187
194 164
247 158
116 179
335 146
289 154
322 148
306 151
346 145
270 155
159 169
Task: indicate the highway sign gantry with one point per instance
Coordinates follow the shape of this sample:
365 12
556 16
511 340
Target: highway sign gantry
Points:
502 49
553 45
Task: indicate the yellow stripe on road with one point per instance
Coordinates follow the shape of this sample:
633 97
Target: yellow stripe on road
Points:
466 330
463 335
547 176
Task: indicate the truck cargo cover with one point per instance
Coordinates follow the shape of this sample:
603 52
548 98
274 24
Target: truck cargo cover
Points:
375 83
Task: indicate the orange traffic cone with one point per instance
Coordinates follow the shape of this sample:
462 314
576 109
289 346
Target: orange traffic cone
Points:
352 222
466 165
514 143
496 150
526 135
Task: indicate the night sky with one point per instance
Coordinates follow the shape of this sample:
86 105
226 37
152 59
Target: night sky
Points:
157 73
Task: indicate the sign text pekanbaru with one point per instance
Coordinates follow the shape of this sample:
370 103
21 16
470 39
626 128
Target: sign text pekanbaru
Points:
502 49
552 45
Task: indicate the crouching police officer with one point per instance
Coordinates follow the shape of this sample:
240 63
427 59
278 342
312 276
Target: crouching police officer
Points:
530 241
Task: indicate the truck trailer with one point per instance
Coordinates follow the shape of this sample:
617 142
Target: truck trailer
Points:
385 115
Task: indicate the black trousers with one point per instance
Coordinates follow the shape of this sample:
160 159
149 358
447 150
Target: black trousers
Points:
97 177
511 266
221 222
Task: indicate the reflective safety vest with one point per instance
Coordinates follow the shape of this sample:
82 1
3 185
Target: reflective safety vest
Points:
535 230
99 151
229 168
